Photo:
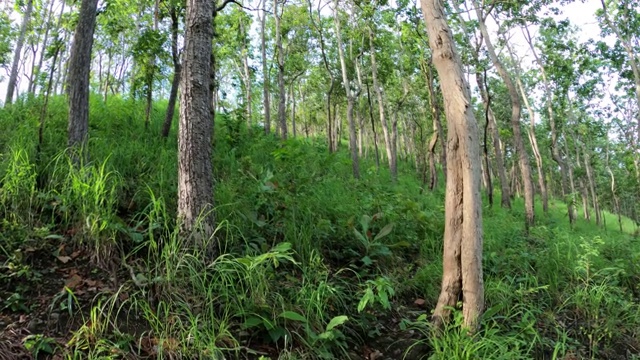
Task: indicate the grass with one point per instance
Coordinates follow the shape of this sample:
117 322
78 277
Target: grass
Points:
316 265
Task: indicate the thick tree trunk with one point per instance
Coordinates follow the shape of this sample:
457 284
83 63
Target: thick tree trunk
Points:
523 159
13 76
177 68
195 131
462 259
79 71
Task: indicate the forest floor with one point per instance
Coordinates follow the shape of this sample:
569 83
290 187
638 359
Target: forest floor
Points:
316 266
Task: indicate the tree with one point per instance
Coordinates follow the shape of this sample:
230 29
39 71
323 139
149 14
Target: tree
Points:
523 159
195 131
351 96
13 77
462 259
78 78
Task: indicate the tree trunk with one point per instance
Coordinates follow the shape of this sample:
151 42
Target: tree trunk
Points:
79 71
505 199
265 72
373 130
592 184
195 131
462 259
177 68
523 159
246 73
532 136
45 42
378 89
13 77
282 116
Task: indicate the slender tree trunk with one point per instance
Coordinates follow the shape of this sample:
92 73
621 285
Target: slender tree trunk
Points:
265 72
177 68
195 131
373 130
13 76
505 200
47 25
246 73
462 259
79 71
592 184
378 89
282 116
523 159
533 140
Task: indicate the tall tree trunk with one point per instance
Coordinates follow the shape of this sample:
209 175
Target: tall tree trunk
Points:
523 159
532 134
246 73
13 76
195 131
462 259
47 25
378 89
373 129
505 199
265 72
282 116
79 71
177 68
592 183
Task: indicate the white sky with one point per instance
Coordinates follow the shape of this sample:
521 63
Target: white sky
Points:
580 14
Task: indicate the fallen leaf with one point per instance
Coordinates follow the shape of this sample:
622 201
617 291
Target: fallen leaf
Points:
419 302
73 281
64 259
376 354
90 282
75 254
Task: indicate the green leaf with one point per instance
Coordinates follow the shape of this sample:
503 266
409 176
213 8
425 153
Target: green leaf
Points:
327 335
367 261
252 321
336 321
384 232
292 315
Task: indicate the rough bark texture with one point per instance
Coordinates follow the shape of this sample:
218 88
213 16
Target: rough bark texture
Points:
79 71
195 178
462 260
523 159
13 77
177 69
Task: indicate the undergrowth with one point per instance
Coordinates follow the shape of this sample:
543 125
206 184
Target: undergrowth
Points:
315 264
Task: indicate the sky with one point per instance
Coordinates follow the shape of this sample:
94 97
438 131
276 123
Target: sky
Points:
580 14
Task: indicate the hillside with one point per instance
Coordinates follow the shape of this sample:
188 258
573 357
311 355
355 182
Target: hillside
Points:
315 265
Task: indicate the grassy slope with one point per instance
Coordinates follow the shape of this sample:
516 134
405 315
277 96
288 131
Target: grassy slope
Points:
305 275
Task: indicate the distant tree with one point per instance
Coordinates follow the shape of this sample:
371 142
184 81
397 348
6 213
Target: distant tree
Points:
462 259
17 53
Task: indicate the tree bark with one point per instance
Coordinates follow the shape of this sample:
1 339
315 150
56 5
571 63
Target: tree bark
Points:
13 77
523 159
282 116
177 68
79 71
462 259
195 131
